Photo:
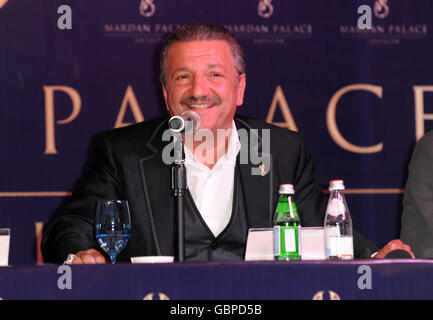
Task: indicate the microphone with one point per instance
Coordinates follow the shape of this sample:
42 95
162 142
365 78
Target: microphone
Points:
187 122
398 254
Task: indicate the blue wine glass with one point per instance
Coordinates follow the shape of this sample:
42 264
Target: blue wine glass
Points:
112 226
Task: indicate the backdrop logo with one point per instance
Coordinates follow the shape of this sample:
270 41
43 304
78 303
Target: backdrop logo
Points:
151 296
383 31
271 33
381 9
147 8
329 295
265 8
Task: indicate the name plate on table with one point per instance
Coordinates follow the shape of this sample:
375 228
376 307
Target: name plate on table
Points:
5 235
260 244
313 243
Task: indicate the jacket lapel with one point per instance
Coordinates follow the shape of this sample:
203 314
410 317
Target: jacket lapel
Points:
155 178
258 179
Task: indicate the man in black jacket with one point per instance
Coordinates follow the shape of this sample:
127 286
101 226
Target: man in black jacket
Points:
417 217
202 69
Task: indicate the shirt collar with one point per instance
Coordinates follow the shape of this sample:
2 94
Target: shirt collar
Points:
234 146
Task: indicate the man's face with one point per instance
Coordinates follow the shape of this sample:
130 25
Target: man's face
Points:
201 77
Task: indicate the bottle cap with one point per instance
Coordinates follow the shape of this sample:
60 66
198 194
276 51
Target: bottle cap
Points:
336 185
287 189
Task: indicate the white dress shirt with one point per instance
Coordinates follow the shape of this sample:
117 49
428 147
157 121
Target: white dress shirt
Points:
212 189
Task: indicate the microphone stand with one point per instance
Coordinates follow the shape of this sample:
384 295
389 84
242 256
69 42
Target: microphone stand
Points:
178 186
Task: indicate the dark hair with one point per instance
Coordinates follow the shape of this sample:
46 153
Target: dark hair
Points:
202 32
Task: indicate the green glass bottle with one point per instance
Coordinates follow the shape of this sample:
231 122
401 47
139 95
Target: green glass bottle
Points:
286 226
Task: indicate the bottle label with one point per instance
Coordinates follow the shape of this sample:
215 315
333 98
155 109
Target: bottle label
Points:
341 247
290 239
285 240
277 247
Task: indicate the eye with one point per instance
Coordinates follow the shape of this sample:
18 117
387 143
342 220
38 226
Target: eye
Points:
215 75
182 76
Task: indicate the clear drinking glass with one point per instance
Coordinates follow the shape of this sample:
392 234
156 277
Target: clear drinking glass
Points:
112 226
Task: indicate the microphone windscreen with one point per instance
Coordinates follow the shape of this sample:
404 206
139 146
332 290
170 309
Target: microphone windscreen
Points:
187 122
176 124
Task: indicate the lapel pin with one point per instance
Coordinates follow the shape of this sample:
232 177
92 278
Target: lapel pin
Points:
262 168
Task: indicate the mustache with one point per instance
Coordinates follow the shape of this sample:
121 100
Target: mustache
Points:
212 100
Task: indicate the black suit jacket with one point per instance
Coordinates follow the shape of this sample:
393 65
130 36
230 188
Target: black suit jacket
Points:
127 164
417 218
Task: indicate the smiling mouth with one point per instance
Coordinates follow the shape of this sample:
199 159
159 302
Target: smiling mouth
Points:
201 103
200 106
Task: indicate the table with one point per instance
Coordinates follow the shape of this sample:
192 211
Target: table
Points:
360 279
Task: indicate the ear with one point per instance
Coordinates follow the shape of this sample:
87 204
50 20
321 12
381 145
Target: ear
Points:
241 89
164 92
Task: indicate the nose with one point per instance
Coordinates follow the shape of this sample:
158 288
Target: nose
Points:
199 87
